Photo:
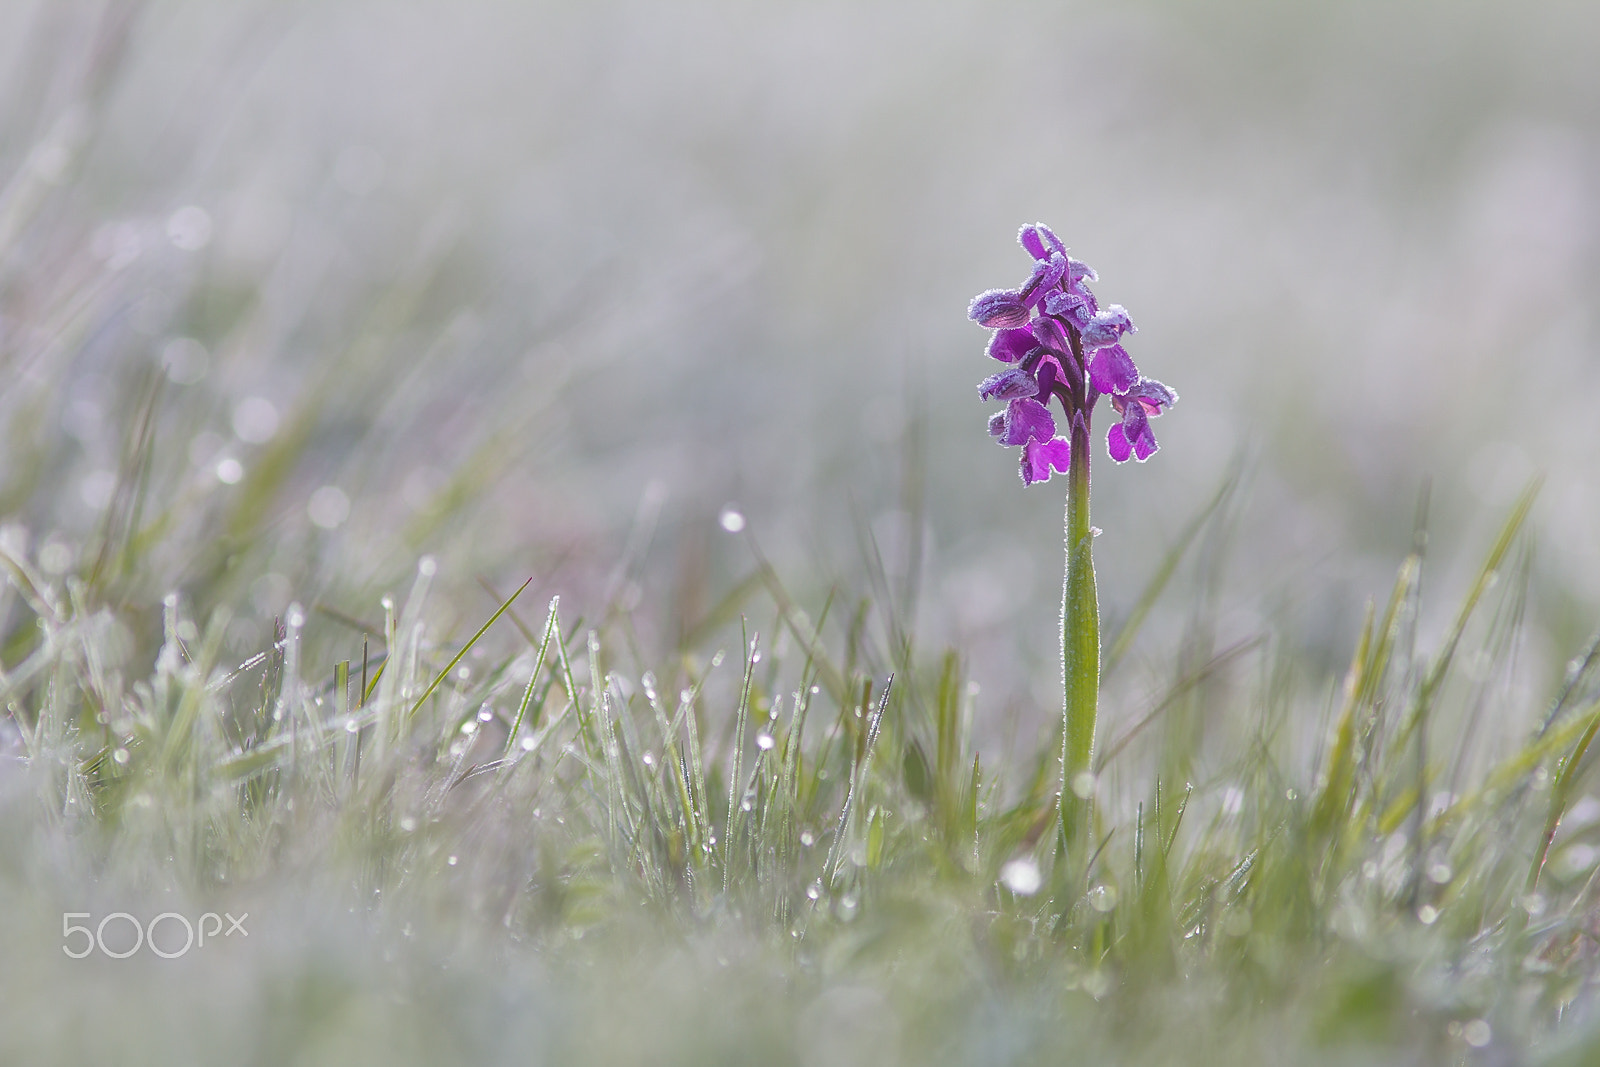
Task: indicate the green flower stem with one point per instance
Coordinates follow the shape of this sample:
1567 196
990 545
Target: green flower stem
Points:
1080 642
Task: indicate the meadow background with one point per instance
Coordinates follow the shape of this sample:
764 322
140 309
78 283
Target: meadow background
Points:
294 294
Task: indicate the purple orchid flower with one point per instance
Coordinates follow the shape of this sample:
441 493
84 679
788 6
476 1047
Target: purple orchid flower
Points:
1059 345
1140 404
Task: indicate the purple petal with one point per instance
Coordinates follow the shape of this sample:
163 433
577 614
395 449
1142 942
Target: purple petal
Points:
1152 395
1047 371
1008 385
1077 271
1025 419
1048 333
1144 446
1132 433
1038 457
1117 443
1011 345
1065 302
1111 370
1106 327
997 424
1040 241
998 308
1045 277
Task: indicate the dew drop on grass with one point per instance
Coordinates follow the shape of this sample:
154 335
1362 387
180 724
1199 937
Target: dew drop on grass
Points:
1103 898
451 861
765 741
847 906
1083 785
1021 876
649 759
527 744
814 890
1476 1033
485 713
1440 873
121 756
1427 915
351 726
731 519
407 823
469 727
427 566
807 839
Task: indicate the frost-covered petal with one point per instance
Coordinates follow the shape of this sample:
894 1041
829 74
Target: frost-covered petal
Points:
1045 277
1144 445
1039 457
1152 395
998 308
1008 385
1047 332
1065 302
1132 435
1040 241
1026 418
1079 271
1117 443
1011 345
1111 370
997 424
1106 327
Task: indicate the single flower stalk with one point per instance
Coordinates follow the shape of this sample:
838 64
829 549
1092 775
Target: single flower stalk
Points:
1059 346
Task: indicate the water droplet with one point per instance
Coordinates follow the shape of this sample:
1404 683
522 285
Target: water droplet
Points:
1103 898
745 804
451 861
816 689
1232 800
427 566
806 839
765 741
649 759
1427 915
1021 876
351 726
255 420
731 519
1290 794
328 507
814 890
1477 1033
1083 785
407 823
387 603
1440 873
685 696
527 744
469 727
485 713
121 756
847 906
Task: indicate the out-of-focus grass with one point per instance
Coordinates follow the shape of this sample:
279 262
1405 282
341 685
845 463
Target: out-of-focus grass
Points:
530 843
687 816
